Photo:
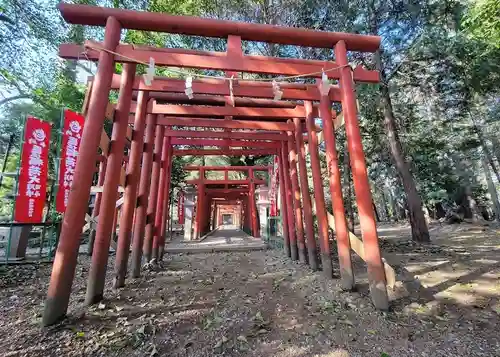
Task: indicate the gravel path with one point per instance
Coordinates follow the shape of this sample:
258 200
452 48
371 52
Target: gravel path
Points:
234 304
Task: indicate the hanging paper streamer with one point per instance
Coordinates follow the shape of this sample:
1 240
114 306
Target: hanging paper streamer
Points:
324 88
189 87
30 200
231 94
278 93
150 72
71 137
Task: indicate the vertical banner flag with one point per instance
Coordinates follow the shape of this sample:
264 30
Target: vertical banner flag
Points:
71 137
33 172
272 192
180 208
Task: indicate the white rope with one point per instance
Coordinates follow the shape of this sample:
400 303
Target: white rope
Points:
184 74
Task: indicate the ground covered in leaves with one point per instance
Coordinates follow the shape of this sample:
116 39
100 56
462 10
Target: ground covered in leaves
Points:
249 304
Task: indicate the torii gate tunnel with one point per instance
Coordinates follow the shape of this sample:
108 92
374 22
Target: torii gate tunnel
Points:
251 117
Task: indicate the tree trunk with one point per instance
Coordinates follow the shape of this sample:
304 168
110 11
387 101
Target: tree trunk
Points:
377 216
419 229
486 150
469 205
392 202
384 205
491 188
496 146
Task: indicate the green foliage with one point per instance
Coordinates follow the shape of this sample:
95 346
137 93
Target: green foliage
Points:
482 22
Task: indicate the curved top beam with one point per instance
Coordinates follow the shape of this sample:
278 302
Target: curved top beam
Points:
197 26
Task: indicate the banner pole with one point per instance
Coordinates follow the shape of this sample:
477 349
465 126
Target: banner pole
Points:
54 187
16 187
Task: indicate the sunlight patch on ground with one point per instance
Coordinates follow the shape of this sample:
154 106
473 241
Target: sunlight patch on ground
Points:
292 351
415 268
336 353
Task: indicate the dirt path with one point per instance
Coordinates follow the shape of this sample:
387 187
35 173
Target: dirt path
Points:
235 304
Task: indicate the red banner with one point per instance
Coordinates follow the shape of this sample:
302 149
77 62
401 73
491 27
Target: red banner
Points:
272 192
30 200
180 208
71 137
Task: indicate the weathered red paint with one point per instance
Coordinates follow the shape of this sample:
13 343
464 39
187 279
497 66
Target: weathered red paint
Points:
319 196
283 211
233 152
97 202
160 205
299 223
373 258
229 143
341 230
206 111
306 199
246 135
199 203
214 100
142 199
289 202
227 168
197 26
253 204
130 194
153 193
63 270
97 273
220 123
166 212
248 89
250 64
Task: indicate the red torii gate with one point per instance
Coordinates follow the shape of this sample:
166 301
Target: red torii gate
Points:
157 151
203 185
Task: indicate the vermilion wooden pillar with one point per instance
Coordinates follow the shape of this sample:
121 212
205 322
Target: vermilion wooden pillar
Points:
97 203
142 199
289 205
341 230
166 203
160 205
153 193
116 217
319 195
200 201
373 258
296 197
130 194
97 273
63 269
253 205
306 197
283 211
208 215
248 220
214 215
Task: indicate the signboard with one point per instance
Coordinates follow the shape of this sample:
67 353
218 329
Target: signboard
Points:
71 137
32 187
273 189
180 208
